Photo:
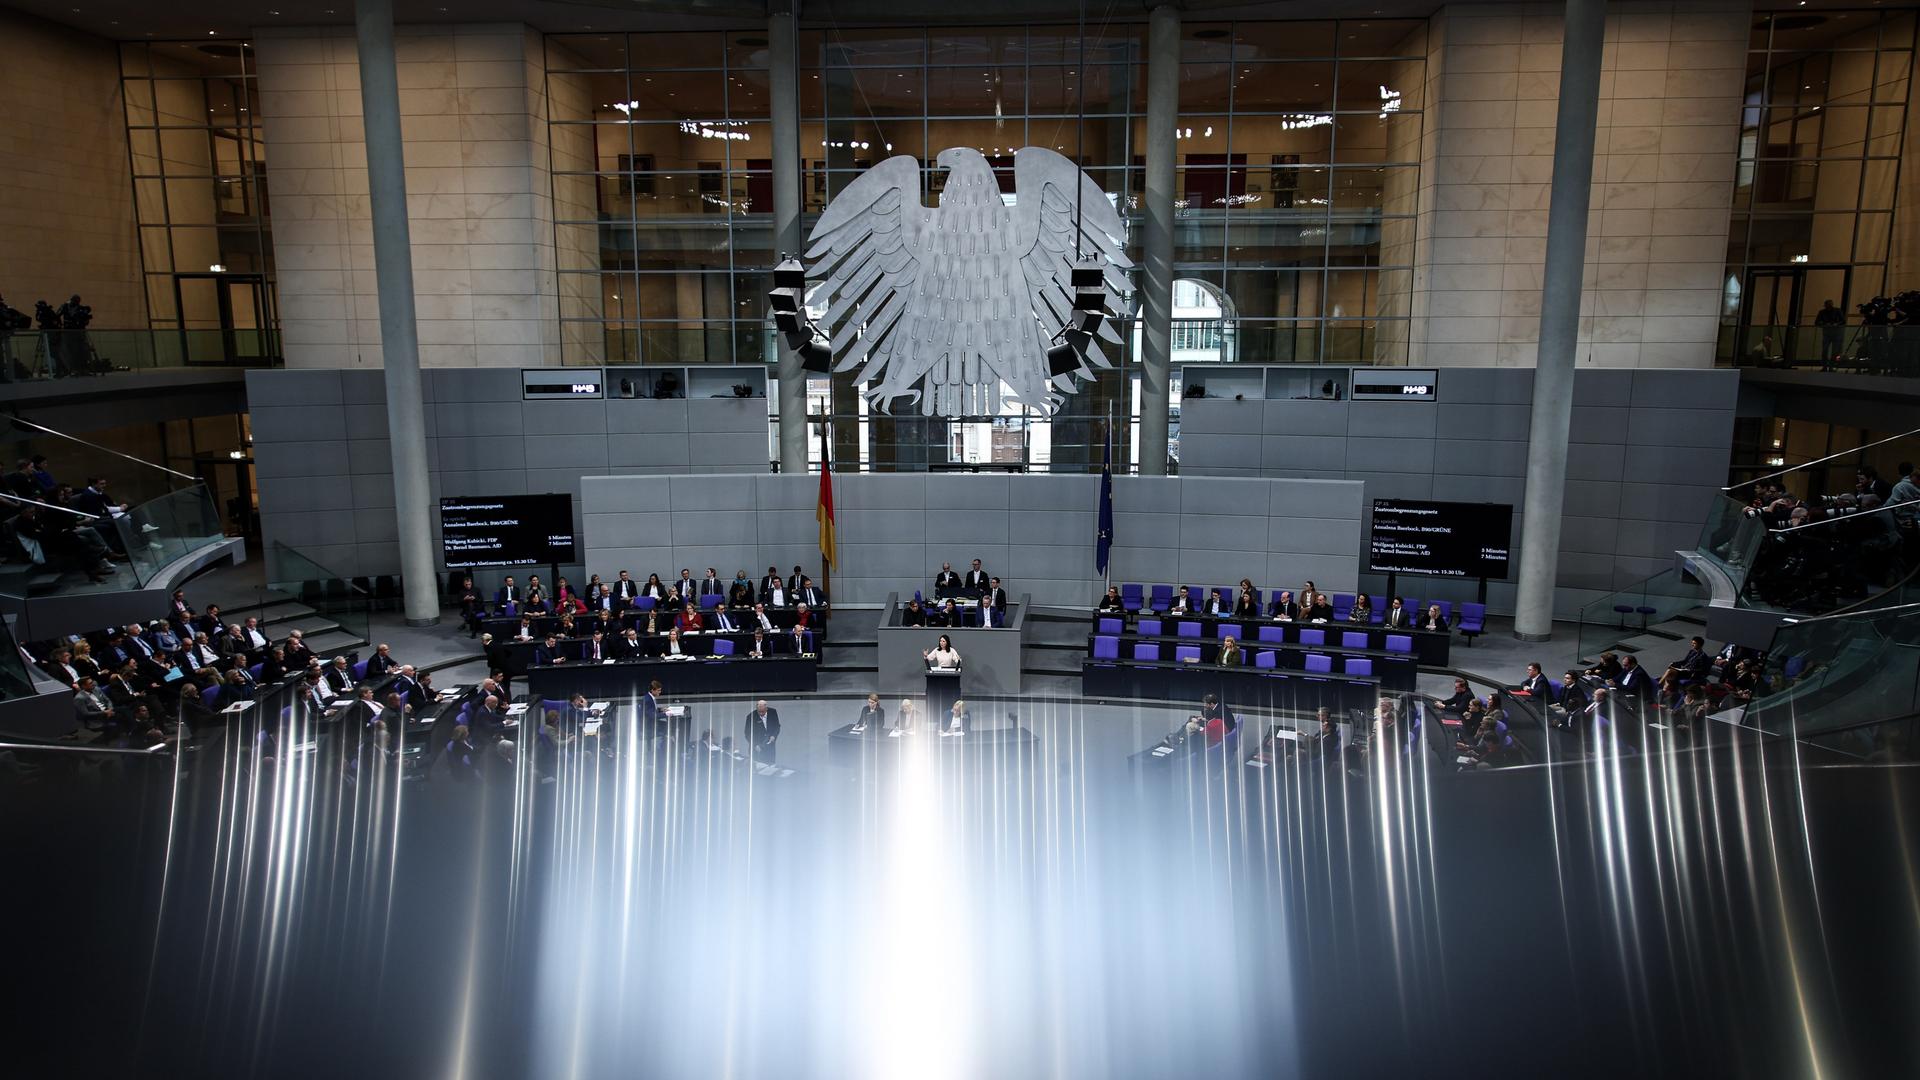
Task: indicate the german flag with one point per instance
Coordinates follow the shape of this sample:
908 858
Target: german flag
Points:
823 510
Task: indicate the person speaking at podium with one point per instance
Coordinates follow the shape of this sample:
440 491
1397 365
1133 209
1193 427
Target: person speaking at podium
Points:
943 655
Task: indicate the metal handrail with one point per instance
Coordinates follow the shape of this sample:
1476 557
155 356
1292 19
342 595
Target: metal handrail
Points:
48 506
24 422
1846 517
65 748
1818 461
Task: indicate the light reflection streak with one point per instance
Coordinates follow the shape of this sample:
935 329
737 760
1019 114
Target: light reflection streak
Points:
676 908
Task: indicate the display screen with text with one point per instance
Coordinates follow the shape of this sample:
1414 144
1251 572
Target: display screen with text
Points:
1444 539
506 530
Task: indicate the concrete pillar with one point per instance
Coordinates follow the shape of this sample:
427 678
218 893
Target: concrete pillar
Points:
399 335
1559 317
1156 276
782 44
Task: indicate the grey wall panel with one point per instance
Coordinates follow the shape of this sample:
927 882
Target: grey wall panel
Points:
473 384
477 418
1476 421
1065 527
1510 490
711 492
1148 494
645 416
1597 386
1646 427
1294 454
273 460
1476 457
1228 453
1380 454
556 417
372 491
1219 417
317 493
1599 423
964 526
300 388
1313 535
291 423
1199 495
582 453
1393 419
1146 530
1681 427
1296 417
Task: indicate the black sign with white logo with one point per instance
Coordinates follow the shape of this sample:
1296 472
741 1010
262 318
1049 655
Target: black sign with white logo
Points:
506 530
1440 538
1395 384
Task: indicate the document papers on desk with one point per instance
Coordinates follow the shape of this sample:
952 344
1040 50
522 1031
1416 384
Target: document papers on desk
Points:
238 707
1162 751
591 727
517 708
599 706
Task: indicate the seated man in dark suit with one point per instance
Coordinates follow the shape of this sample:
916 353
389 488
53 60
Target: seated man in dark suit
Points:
990 614
1456 705
1284 607
723 620
809 594
1696 663
1397 617
1217 604
625 591
1634 682
595 649
773 590
914 614
628 646
549 652
507 593
1535 685
1182 603
381 661
711 585
761 620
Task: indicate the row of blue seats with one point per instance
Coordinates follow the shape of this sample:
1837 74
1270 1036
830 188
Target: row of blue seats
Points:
1108 648
1308 635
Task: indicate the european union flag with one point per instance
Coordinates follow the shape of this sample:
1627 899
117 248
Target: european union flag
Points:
1103 541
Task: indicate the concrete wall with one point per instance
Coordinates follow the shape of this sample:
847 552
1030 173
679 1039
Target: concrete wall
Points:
66 200
1648 455
1670 87
325 474
474 117
1035 532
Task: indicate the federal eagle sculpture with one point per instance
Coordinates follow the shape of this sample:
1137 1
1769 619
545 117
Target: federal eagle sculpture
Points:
940 305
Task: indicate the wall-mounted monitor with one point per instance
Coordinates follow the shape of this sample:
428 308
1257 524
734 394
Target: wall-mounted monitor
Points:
506 530
1443 539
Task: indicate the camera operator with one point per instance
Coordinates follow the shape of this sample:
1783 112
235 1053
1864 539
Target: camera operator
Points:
1876 316
74 319
11 321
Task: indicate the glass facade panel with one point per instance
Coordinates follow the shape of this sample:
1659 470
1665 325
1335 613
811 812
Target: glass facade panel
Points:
200 192
1291 143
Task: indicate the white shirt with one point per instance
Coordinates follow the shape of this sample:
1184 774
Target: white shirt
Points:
259 639
779 598
765 623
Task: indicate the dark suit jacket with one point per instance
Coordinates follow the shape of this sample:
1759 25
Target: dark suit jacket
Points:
759 734
977 580
587 650
1440 623
712 587
543 655
1289 609
1397 618
1245 608
622 649
378 665
725 621
999 599
1538 687
912 617
874 716
1636 683
945 580
503 596
811 596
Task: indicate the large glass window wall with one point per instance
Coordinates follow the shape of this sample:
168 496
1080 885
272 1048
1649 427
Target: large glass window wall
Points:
1822 127
200 198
